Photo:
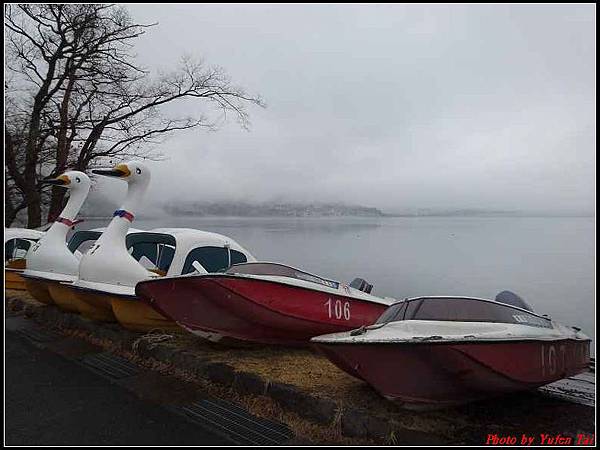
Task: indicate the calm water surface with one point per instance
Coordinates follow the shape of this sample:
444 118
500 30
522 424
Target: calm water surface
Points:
549 262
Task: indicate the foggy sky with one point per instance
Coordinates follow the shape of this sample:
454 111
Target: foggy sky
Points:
405 106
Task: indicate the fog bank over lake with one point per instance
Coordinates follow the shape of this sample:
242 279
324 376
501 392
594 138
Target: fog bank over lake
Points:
106 197
389 106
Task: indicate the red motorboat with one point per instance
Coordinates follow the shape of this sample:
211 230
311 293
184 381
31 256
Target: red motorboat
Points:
264 303
430 352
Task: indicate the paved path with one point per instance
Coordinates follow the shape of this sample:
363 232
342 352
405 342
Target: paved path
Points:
55 400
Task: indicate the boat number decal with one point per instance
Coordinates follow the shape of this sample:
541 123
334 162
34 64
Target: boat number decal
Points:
314 279
556 358
531 320
338 309
36 246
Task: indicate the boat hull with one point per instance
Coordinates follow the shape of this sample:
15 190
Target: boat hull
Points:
94 305
14 280
255 310
64 297
425 376
138 316
12 274
38 289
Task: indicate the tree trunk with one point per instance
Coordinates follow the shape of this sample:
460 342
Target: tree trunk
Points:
62 152
31 193
10 212
30 190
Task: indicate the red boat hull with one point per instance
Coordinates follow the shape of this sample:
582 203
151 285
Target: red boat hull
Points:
256 310
442 374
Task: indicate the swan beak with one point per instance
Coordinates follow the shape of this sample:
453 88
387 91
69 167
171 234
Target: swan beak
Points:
119 171
62 180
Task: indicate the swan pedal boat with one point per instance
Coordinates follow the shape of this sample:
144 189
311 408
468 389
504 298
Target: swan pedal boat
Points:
107 269
433 352
56 284
171 251
263 302
50 260
17 243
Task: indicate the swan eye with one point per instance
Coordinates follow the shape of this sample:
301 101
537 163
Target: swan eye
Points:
78 179
138 170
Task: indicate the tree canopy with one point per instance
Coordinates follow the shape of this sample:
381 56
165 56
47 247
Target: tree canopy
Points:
76 95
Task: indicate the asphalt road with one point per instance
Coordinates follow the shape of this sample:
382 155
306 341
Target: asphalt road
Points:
50 400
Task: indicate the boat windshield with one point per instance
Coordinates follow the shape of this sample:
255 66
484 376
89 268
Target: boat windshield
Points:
213 259
279 270
154 251
460 309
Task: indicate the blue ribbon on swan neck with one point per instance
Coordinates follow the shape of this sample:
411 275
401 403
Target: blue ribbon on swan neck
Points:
125 214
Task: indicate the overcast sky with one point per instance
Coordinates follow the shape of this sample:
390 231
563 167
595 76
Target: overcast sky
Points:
405 106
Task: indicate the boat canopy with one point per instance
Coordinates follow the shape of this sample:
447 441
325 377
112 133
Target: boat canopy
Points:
173 250
461 309
189 247
22 233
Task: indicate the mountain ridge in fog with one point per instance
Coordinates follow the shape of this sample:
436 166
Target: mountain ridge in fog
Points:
102 206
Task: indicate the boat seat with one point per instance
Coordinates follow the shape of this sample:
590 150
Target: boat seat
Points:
361 285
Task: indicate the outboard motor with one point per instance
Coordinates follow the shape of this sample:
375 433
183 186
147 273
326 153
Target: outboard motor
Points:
510 298
361 285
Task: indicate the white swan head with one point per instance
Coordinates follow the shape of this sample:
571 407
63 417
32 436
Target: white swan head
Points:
132 172
78 183
73 180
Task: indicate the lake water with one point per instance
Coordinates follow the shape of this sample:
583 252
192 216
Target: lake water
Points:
549 262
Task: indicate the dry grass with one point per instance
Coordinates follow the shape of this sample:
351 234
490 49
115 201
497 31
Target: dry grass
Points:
300 367
13 297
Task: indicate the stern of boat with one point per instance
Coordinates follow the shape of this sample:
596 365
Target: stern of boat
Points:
138 316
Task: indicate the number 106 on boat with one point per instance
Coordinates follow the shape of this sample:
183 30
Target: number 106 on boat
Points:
338 309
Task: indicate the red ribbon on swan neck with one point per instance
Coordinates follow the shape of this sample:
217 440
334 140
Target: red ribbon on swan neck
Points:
68 222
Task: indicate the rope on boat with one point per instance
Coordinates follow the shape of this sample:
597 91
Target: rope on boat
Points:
152 339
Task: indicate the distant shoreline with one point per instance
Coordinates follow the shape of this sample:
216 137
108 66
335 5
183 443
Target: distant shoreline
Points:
103 209
497 215
383 216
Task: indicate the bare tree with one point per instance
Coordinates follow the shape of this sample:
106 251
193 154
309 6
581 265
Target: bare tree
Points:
76 95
